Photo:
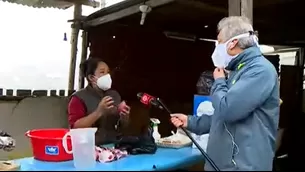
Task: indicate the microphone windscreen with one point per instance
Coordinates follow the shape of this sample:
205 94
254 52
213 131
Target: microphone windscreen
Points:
139 95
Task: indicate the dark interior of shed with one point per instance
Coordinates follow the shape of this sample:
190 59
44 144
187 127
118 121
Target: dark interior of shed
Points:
144 55
143 59
171 64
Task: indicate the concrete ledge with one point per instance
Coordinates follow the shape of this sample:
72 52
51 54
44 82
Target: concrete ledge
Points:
19 94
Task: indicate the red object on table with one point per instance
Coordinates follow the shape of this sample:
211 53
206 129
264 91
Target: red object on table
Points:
47 144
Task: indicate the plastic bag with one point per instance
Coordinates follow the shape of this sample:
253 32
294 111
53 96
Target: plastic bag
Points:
144 144
205 82
7 143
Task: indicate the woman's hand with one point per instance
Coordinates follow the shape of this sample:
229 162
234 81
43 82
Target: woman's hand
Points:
123 108
106 104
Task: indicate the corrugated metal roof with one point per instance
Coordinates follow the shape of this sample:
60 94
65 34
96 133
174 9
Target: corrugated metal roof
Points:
42 3
113 8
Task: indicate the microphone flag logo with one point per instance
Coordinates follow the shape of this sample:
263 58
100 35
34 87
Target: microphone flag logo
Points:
146 99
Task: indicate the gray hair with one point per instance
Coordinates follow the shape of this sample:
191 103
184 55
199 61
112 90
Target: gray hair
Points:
234 26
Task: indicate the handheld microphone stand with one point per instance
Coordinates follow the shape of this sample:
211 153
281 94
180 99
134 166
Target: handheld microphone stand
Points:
206 156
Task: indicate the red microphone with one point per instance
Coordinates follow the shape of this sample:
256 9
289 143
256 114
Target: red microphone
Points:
148 99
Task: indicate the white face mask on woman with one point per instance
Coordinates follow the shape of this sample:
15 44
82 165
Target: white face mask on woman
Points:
104 82
220 56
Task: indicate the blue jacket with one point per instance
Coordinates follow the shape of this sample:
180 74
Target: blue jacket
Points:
245 121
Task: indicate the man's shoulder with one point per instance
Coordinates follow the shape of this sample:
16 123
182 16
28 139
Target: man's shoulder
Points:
262 66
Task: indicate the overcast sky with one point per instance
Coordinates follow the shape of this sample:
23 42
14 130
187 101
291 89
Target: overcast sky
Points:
33 53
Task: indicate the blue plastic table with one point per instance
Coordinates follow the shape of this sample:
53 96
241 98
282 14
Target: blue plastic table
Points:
163 159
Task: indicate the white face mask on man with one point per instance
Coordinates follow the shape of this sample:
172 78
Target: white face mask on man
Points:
104 82
220 56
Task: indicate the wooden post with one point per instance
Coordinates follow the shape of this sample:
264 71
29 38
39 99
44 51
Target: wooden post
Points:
234 8
81 79
241 8
74 40
247 9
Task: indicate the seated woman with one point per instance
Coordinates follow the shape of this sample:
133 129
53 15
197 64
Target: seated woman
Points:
98 105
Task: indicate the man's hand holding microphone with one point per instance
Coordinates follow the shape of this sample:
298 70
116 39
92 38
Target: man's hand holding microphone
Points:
179 120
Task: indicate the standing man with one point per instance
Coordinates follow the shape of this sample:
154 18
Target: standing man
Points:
244 126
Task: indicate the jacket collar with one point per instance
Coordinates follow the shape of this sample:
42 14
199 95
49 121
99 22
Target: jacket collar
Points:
245 56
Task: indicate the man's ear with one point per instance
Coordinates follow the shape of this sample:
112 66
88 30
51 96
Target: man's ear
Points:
233 44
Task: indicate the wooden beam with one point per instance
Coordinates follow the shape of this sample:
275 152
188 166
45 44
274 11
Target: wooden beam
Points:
78 20
202 6
241 8
74 40
81 79
91 3
125 12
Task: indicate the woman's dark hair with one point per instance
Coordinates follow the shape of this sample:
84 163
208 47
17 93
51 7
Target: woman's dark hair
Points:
89 66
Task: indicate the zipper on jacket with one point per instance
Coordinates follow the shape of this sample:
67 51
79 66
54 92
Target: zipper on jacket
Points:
233 161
